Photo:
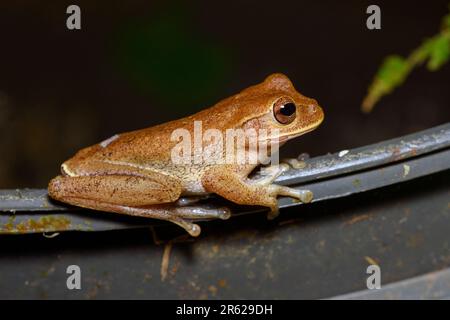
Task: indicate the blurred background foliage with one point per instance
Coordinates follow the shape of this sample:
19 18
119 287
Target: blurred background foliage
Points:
435 51
165 57
139 63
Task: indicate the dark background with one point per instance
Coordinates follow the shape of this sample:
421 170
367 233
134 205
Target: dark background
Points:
139 63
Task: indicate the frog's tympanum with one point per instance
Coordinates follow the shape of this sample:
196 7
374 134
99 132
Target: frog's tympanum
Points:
133 173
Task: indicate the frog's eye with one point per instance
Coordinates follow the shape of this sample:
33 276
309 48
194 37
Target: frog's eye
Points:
284 110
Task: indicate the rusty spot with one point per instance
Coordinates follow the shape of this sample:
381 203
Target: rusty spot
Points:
415 240
215 249
413 152
222 283
9 226
43 224
175 267
396 153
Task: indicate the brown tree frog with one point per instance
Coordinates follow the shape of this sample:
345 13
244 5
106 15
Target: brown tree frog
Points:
133 173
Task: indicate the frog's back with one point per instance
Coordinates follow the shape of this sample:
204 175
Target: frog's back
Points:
153 146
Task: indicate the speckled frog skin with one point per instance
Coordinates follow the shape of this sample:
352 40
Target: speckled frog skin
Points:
133 173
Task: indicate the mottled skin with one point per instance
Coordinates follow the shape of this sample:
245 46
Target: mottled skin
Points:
133 173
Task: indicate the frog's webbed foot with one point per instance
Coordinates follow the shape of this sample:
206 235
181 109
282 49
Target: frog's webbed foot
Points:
193 229
270 174
261 192
184 216
135 196
304 196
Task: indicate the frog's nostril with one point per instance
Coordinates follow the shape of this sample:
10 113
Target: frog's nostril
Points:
312 108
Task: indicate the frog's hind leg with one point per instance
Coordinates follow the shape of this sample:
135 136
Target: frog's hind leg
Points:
149 197
182 216
197 212
156 212
123 190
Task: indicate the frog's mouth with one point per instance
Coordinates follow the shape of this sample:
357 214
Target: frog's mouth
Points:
307 130
286 137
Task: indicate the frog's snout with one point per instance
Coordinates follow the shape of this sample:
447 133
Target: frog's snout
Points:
315 112
313 107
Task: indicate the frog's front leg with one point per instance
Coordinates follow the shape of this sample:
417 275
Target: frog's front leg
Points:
230 185
271 173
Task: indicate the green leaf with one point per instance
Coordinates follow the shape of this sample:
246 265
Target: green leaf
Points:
439 54
392 72
395 69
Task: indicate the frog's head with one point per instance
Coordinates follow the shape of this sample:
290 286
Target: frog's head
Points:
277 107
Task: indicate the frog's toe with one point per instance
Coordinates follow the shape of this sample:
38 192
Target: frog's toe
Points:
273 213
198 213
194 230
304 196
224 213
